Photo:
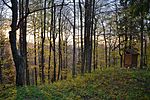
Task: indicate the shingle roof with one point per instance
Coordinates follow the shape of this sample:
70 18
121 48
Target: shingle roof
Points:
131 51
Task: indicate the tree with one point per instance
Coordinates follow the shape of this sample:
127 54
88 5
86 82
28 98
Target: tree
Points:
140 11
74 45
43 41
60 48
17 58
2 43
50 41
23 10
104 31
87 35
81 32
54 37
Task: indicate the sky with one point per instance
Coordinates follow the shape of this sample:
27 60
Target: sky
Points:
29 37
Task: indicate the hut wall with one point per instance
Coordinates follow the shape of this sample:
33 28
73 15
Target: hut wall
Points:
128 60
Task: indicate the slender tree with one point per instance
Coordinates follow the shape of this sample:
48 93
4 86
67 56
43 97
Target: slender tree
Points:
87 35
60 49
50 41
104 33
81 31
54 50
74 45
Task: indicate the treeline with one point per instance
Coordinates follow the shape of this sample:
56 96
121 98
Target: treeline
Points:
73 36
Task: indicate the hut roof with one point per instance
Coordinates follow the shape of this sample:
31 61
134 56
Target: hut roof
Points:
131 51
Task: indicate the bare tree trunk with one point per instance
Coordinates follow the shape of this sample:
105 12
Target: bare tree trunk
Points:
25 45
1 62
110 46
39 56
49 59
35 55
23 9
121 56
87 36
81 31
18 59
145 53
109 51
32 77
50 42
96 64
54 51
35 71
118 33
1 75
66 57
94 51
141 30
35 50
105 42
60 49
74 45
92 31
43 41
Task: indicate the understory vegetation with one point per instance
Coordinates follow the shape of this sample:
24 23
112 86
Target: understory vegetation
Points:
103 84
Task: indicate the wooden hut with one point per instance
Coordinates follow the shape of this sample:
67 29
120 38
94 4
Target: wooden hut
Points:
130 58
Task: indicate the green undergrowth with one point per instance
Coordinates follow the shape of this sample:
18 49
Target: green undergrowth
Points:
106 84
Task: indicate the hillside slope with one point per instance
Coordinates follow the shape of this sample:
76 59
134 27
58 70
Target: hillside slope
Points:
106 84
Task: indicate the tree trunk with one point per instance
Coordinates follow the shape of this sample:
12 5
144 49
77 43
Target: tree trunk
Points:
120 53
60 49
35 55
81 31
25 45
105 42
35 71
1 79
88 35
92 31
145 53
35 49
74 45
23 9
141 30
94 51
96 64
19 61
43 41
1 62
54 51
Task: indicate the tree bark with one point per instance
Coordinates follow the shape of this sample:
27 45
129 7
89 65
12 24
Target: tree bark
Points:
92 32
87 35
19 61
35 71
60 49
1 62
105 42
23 9
141 31
54 51
74 45
81 31
50 41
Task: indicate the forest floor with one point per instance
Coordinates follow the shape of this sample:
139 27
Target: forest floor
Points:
103 84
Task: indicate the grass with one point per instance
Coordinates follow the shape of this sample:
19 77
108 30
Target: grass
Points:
106 84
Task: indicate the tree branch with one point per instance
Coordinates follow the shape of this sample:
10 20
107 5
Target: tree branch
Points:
30 12
6 4
68 20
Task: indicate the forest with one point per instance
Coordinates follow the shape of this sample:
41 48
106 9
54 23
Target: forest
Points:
74 49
